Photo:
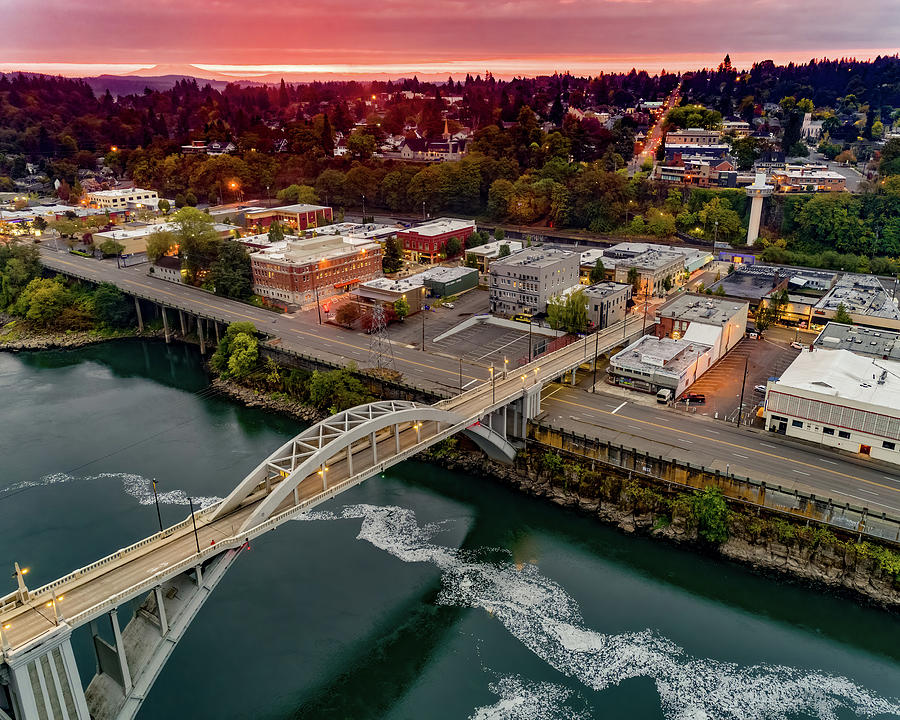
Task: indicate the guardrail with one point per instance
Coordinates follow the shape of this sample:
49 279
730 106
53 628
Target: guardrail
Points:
794 503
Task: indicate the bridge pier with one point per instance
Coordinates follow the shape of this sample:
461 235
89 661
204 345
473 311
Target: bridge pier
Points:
165 319
201 334
216 326
140 318
43 681
161 610
120 650
183 326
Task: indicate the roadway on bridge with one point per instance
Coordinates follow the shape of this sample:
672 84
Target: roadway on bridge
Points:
139 566
326 342
760 455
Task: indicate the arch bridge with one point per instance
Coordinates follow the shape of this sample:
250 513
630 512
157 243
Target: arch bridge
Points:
171 573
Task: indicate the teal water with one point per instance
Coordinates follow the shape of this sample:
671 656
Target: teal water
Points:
420 594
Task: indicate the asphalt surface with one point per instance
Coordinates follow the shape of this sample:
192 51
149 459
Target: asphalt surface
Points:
757 454
299 332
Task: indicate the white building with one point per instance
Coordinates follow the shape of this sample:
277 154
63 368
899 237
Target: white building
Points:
840 399
651 364
125 199
483 254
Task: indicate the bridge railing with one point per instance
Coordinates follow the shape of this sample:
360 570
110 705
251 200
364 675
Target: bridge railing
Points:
120 553
236 541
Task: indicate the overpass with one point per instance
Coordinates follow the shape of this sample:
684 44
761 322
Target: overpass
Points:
174 571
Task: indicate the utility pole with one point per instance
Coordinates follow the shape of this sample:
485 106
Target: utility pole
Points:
596 353
423 329
194 521
156 498
743 384
646 302
460 375
530 320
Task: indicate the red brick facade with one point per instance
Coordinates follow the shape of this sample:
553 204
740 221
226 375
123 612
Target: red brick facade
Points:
297 284
432 247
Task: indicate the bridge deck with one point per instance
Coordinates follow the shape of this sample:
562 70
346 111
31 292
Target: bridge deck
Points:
87 594
28 622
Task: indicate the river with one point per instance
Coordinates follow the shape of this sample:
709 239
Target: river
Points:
419 594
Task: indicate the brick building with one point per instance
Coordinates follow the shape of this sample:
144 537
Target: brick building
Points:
428 243
297 217
298 271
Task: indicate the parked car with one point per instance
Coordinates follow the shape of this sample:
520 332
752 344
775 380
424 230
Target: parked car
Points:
797 345
449 306
694 398
760 388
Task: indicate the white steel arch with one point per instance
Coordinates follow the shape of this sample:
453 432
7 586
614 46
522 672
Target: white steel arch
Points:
305 454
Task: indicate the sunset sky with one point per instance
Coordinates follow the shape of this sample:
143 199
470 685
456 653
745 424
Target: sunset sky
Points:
398 37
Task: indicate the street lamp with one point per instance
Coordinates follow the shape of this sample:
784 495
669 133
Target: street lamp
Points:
493 386
322 474
364 209
156 498
505 366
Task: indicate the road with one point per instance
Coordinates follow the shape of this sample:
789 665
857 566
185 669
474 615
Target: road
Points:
654 137
88 592
298 332
697 440
756 454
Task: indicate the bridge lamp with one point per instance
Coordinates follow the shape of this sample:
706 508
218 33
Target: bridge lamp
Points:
505 366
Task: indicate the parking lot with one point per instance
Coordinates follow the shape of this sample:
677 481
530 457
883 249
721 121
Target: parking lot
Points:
721 384
486 344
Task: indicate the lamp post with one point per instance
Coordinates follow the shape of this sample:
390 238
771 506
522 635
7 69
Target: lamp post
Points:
194 521
505 366
156 498
460 374
743 385
423 329
364 209
596 353
716 235
423 210
493 386
316 291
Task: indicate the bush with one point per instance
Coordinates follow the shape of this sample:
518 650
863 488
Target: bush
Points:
552 463
710 514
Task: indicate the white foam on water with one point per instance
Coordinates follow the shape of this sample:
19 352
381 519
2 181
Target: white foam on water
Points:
542 615
139 487
521 700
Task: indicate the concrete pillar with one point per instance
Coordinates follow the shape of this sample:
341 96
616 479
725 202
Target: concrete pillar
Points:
324 472
183 325
199 571
350 460
216 324
202 336
120 650
296 497
374 449
161 611
165 324
504 421
397 438
755 216
140 318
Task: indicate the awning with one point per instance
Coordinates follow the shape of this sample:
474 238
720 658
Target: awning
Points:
346 283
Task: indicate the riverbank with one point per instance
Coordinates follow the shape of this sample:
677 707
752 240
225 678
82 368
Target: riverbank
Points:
769 544
17 336
266 401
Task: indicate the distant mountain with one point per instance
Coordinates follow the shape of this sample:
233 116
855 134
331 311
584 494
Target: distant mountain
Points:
135 84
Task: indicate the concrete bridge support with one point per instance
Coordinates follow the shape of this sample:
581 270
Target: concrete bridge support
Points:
140 318
183 324
165 318
43 681
201 335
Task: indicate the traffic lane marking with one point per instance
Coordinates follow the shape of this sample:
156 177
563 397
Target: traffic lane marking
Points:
748 449
620 407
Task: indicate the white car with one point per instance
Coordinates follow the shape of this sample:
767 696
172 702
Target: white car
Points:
449 306
760 388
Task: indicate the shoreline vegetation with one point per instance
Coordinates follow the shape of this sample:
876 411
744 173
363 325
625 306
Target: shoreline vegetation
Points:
702 521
